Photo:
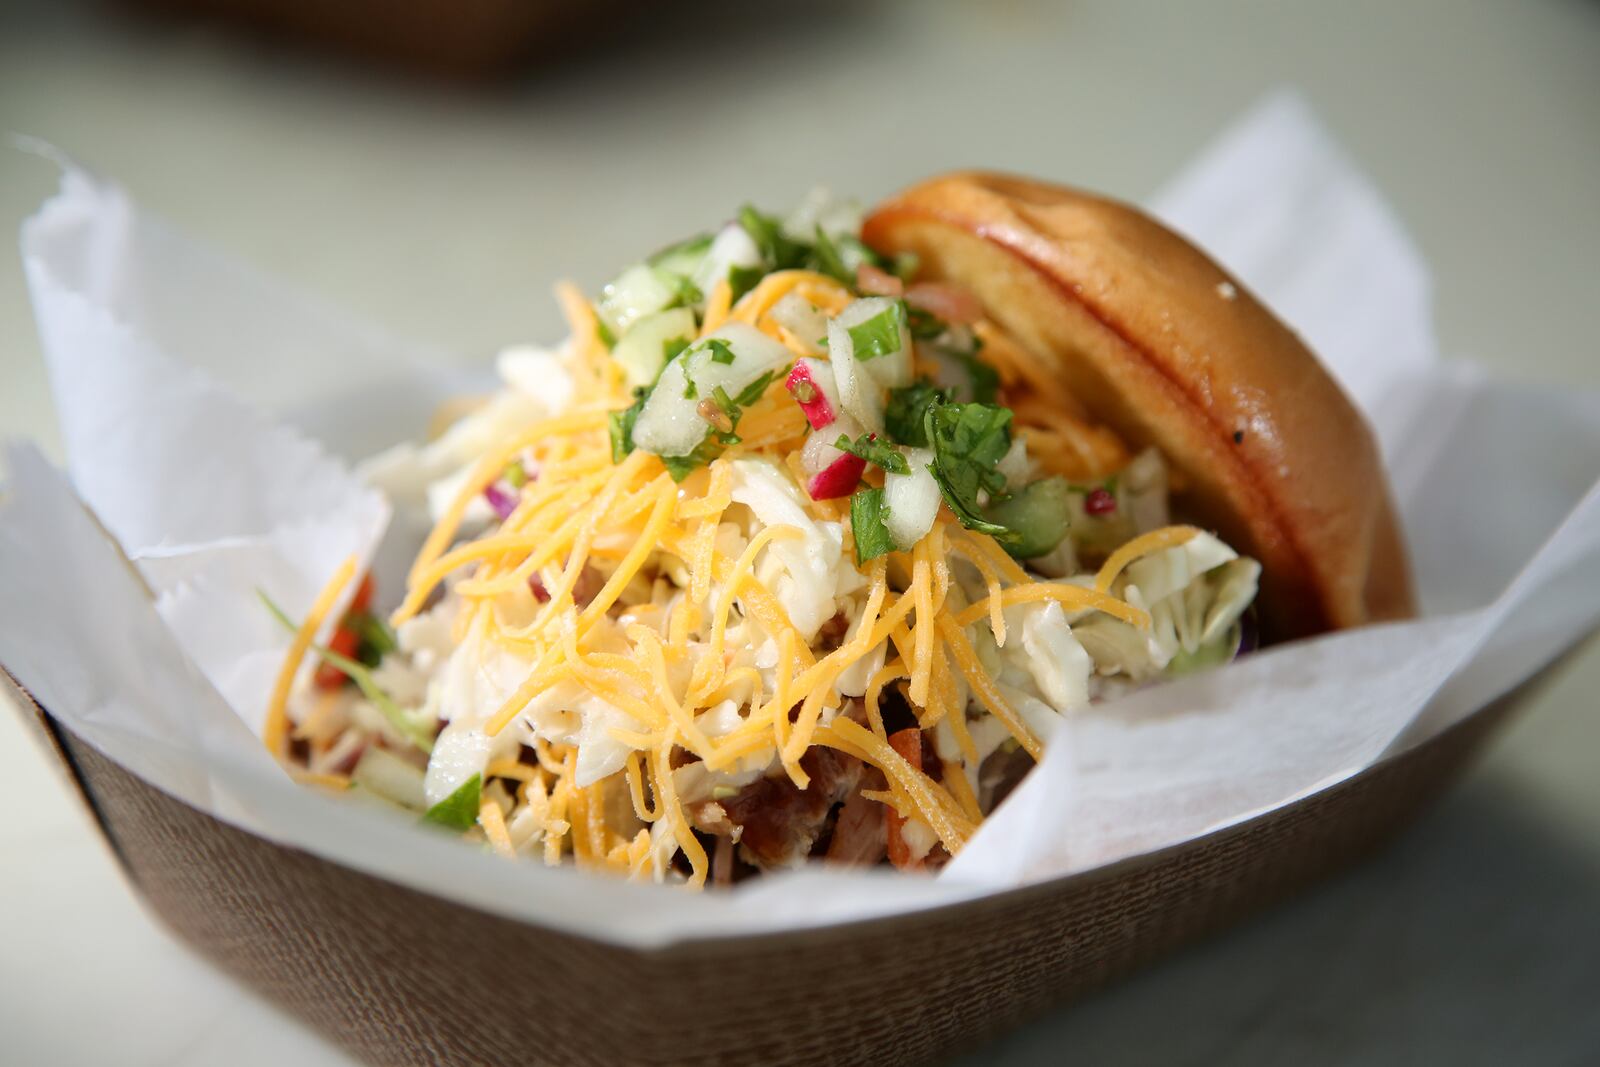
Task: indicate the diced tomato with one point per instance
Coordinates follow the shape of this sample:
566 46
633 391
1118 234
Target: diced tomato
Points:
363 598
345 642
908 743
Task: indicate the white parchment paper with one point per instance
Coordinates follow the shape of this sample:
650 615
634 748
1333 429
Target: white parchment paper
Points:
142 632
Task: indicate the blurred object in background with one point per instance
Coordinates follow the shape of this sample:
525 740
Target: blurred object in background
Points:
461 40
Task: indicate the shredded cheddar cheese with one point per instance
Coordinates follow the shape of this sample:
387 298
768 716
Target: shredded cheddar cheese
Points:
276 731
671 631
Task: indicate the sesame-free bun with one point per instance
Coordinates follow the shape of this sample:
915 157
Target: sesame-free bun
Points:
1161 345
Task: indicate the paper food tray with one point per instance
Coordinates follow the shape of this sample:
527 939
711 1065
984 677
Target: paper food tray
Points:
397 977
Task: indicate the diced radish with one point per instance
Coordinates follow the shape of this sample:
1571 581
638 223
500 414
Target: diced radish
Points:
812 386
876 282
829 472
912 500
952 304
838 478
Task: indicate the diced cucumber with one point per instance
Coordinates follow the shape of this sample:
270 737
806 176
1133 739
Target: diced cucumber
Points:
387 775
1038 514
637 292
642 350
682 259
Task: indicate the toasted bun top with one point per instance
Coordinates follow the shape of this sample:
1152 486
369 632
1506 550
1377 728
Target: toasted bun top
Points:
1165 348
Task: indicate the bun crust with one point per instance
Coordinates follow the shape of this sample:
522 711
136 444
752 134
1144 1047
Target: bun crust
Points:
1165 348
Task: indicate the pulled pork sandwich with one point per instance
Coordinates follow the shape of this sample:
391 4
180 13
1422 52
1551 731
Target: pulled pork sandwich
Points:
807 539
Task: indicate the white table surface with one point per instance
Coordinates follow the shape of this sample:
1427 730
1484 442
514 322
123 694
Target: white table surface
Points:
447 215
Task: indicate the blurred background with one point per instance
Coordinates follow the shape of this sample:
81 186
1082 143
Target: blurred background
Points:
438 176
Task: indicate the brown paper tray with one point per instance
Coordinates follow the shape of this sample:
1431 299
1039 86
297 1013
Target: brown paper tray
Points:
400 977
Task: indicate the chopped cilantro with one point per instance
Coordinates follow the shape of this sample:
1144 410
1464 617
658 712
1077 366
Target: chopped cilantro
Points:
869 448
906 410
680 467
828 260
985 380
607 338
685 292
924 324
673 255
833 255
720 351
779 250
754 391
459 810
968 440
670 349
879 335
621 423
743 279
868 524
373 636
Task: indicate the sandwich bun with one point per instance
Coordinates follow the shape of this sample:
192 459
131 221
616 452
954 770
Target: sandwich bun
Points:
1159 344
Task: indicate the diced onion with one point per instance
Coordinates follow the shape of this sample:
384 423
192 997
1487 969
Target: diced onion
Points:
912 500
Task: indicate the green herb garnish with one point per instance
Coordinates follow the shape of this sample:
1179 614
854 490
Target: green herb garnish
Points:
680 467
754 391
907 408
374 639
459 810
777 248
968 440
924 325
985 380
683 251
720 351
828 260
743 279
670 349
881 453
621 425
868 525
879 335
